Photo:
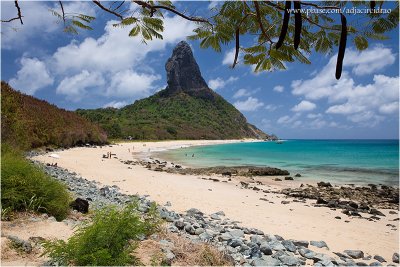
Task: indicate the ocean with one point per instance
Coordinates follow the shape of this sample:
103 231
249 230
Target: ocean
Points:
337 161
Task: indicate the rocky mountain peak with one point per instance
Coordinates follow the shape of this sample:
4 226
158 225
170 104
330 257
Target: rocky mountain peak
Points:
183 73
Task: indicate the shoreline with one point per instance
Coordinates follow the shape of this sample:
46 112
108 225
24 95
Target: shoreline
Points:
293 220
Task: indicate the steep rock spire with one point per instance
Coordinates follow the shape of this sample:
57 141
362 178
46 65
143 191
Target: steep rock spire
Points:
183 73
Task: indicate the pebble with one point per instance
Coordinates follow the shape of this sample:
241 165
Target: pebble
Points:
395 257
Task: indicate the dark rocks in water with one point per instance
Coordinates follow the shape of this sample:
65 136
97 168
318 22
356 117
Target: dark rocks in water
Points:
355 254
297 175
379 258
395 258
234 170
324 184
80 205
289 178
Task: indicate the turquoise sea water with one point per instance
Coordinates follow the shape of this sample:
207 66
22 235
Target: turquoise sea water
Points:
339 161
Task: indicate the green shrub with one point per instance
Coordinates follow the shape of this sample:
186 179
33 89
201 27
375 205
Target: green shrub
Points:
26 187
110 239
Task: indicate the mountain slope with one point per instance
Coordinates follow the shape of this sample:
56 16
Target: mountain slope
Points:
28 122
186 109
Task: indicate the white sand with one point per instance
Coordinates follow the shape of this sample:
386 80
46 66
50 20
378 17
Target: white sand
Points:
291 221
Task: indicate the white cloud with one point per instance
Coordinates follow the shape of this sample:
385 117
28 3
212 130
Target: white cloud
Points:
116 104
279 88
230 56
220 83
314 116
358 102
115 50
271 107
75 87
304 106
242 93
250 104
32 76
212 4
37 20
369 61
128 83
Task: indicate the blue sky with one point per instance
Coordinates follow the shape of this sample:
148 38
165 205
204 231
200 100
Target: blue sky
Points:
105 67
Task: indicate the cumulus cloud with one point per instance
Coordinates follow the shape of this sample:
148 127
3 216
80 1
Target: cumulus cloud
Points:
32 76
242 93
360 103
304 106
116 104
229 56
279 88
37 20
128 83
250 104
75 87
220 83
271 107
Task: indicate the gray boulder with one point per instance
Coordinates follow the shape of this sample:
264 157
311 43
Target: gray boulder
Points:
237 233
355 254
289 260
265 248
375 263
270 261
300 243
379 258
276 245
289 245
395 258
307 253
319 244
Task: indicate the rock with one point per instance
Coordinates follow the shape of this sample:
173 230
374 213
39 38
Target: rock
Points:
297 175
338 217
355 254
307 253
80 205
257 239
376 212
179 224
379 258
205 237
215 217
277 179
289 260
321 201
265 248
237 233
20 243
270 261
375 263
235 243
260 262
353 205
289 245
276 245
198 231
300 243
324 184
284 202
395 258
220 213
183 73
319 244
289 178
189 229
360 263
225 237
193 212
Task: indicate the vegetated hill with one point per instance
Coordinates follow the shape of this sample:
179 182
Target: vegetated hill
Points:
27 122
186 109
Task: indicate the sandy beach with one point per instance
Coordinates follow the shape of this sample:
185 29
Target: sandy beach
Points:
295 220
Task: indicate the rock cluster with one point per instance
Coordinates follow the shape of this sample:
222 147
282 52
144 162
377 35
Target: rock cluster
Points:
244 245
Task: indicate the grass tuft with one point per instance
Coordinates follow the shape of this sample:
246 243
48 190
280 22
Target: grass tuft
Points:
109 240
25 187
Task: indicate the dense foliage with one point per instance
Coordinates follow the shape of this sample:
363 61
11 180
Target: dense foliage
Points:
110 238
24 187
180 116
28 122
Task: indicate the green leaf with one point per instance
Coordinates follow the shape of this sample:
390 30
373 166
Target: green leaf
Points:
360 42
135 31
81 25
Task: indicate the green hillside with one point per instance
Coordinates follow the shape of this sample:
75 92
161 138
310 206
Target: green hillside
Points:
177 116
27 122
